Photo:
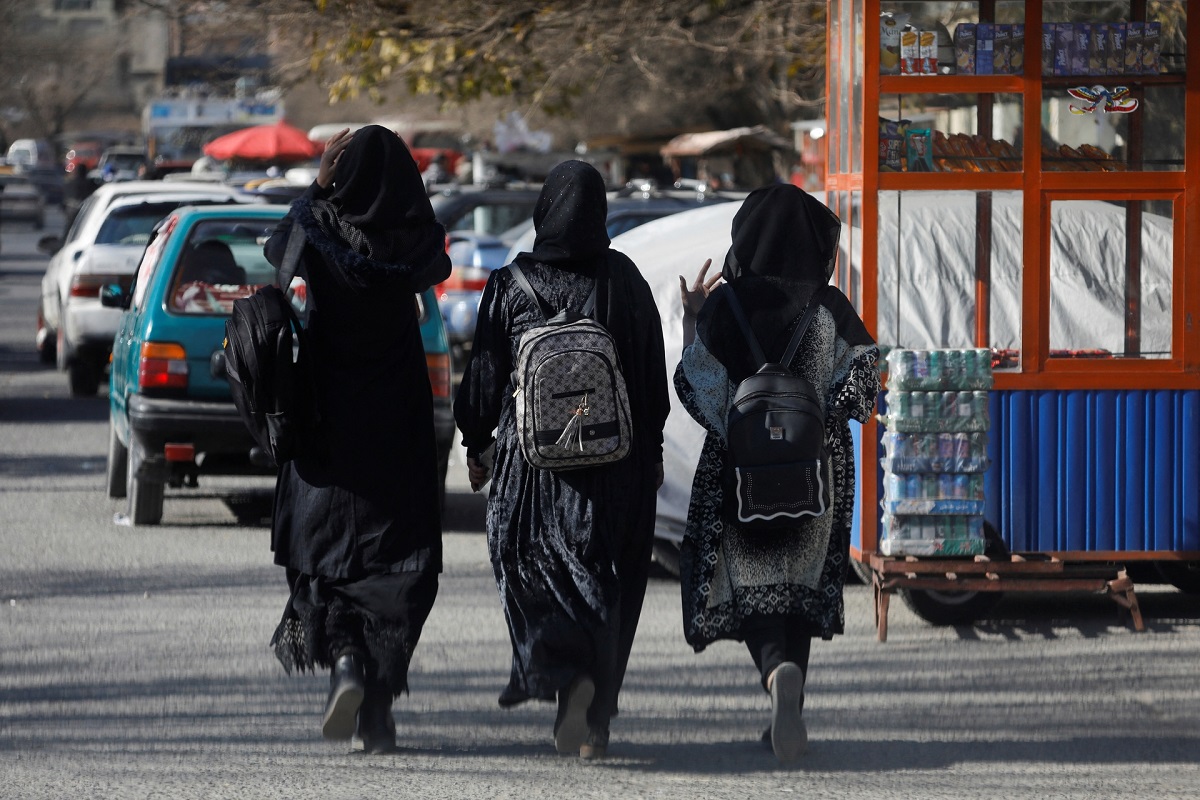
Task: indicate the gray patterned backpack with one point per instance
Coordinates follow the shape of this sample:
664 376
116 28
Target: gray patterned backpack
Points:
571 403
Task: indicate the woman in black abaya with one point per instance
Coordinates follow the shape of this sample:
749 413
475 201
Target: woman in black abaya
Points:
570 550
357 522
772 592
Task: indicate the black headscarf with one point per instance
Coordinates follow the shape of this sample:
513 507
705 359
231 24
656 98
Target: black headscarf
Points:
785 245
378 204
571 215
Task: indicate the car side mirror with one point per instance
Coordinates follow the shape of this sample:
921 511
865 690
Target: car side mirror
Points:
113 296
49 245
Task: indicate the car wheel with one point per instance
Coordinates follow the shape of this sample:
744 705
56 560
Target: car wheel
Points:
949 608
115 474
44 339
84 377
862 571
145 496
60 346
666 554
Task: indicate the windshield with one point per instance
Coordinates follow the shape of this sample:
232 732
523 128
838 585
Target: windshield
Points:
222 261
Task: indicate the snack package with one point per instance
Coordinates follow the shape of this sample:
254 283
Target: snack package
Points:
1116 48
891 145
919 150
928 50
1016 51
964 48
1064 36
1133 46
910 53
1081 45
1047 48
1098 55
890 27
985 37
1001 49
1151 48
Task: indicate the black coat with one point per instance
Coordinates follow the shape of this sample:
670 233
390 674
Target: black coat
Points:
370 503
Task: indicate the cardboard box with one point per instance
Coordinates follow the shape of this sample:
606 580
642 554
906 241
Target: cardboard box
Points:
1001 49
1047 48
1064 35
889 44
1151 48
1134 32
1098 54
985 37
1116 48
964 48
1016 52
929 52
1081 45
910 53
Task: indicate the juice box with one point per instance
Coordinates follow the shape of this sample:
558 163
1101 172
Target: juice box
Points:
1081 44
1047 48
964 48
1116 48
1134 32
910 53
1001 49
1016 53
1098 54
1151 48
985 36
1064 35
929 52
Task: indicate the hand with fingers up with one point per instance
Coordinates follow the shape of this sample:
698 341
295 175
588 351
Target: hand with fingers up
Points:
333 148
694 298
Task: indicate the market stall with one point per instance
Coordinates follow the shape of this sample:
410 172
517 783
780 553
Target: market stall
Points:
1018 176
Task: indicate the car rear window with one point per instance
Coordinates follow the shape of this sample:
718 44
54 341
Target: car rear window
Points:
132 224
221 261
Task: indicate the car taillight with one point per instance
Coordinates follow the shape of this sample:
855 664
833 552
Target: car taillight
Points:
163 366
90 285
464 278
439 373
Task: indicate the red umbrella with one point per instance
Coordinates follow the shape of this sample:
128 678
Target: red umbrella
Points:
278 142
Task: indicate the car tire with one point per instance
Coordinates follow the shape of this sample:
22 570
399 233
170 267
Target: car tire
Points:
115 473
861 571
83 377
949 608
666 555
145 496
1183 575
44 340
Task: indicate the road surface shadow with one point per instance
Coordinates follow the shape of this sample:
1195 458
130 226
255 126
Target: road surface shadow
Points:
18 410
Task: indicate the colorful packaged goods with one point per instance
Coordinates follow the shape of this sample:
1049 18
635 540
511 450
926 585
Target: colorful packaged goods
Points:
964 48
1047 48
929 52
918 150
985 39
1151 48
910 53
890 27
1016 53
1081 45
1134 34
1001 49
1098 54
1116 48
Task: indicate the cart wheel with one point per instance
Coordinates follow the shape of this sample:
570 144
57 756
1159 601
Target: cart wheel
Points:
666 553
1183 575
949 608
861 571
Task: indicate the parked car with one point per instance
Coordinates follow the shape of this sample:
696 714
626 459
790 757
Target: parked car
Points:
171 415
102 247
84 155
20 201
119 163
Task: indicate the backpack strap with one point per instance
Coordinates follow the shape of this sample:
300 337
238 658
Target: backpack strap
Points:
756 350
291 256
519 276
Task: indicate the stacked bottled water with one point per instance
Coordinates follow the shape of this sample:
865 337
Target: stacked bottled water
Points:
935 451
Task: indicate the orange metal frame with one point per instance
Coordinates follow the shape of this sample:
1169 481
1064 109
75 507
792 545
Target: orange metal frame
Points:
1181 371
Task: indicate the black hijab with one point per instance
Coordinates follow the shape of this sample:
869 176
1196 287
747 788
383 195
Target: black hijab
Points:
378 204
785 245
571 215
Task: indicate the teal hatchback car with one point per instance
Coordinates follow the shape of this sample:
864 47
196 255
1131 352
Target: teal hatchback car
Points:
171 417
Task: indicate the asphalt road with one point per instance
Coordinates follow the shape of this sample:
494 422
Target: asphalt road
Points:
134 663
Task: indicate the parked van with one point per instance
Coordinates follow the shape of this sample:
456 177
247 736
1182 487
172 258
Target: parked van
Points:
30 153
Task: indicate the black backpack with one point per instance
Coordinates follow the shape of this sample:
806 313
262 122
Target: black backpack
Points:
777 468
272 383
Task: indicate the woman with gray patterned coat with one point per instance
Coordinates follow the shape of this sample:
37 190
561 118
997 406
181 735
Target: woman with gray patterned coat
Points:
774 592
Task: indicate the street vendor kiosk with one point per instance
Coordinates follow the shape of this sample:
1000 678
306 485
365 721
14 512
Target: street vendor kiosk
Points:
1025 177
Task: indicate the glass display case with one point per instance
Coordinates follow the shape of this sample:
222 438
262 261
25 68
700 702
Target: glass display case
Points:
1025 177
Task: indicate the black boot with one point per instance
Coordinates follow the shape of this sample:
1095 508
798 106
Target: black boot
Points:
346 689
376 733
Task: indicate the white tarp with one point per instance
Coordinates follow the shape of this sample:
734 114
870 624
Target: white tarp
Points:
936 308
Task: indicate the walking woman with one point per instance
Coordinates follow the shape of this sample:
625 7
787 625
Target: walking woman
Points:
357 524
774 592
570 549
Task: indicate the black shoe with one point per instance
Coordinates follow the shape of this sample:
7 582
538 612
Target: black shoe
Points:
789 737
346 689
376 732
